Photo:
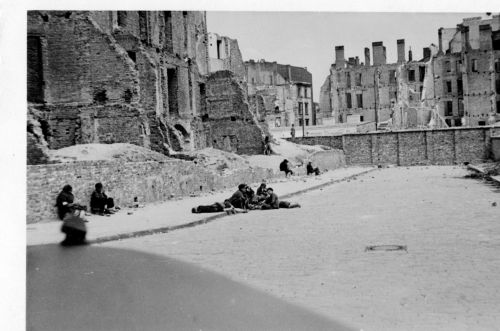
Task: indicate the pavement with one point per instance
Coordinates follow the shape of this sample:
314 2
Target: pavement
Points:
316 256
176 214
101 288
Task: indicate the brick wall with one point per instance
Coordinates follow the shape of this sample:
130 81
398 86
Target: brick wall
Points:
149 181
331 141
444 146
231 126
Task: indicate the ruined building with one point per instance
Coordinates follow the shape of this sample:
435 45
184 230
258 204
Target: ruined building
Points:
283 93
121 76
369 91
464 75
224 54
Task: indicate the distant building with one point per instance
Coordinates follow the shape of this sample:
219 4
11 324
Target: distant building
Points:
465 72
286 93
357 92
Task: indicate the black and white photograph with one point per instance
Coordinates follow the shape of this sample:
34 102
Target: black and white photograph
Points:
291 166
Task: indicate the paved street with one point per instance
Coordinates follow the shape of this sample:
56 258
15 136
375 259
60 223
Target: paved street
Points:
315 256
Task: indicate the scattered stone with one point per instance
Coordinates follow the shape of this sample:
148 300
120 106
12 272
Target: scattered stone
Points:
130 213
493 204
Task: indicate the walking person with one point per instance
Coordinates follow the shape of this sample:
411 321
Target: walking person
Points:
292 131
73 223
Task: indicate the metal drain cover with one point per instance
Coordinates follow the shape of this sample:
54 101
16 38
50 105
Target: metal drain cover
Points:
386 248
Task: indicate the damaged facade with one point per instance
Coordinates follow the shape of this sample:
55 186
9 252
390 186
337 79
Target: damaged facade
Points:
224 54
283 93
466 73
117 77
356 92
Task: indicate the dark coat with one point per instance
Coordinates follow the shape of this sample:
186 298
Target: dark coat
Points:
62 203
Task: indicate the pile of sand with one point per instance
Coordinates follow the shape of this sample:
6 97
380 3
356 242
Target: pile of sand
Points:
107 152
284 149
218 160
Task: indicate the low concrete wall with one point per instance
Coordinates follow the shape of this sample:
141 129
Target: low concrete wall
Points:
442 146
328 160
149 181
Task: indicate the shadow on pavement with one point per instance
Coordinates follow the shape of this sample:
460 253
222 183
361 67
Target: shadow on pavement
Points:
100 288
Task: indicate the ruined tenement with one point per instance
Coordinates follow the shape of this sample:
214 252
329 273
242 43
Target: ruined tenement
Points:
369 91
118 77
283 93
465 72
224 54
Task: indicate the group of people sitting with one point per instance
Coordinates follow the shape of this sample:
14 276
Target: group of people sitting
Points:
286 167
245 198
69 212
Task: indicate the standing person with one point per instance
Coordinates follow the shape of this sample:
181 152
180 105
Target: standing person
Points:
64 201
286 167
292 131
312 170
69 212
100 203
267 146
273 202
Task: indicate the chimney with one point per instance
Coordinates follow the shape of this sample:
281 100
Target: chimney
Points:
427 53
339 56
401 50
367 56
440 35
465 37
379 54
357 60
485 37
410 55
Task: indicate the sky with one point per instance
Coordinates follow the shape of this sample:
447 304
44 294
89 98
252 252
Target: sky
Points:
308 39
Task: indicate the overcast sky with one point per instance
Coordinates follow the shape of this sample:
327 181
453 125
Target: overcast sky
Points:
308 39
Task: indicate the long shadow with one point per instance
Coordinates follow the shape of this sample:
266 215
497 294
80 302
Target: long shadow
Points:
99 288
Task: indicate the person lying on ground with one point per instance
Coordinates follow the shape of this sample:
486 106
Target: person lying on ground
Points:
273 202
311 169
237 200
100 203
213 208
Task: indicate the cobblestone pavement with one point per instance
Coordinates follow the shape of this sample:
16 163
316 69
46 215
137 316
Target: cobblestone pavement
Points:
448 279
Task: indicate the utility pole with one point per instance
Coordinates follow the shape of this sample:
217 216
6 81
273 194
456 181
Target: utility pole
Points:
376 78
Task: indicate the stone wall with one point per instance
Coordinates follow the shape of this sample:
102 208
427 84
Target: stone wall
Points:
149 181
440 147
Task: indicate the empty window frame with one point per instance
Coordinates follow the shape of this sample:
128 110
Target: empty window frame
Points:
474 65
411 75
448 110
359 99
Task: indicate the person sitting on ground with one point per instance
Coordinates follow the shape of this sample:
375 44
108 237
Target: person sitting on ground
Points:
262 192
312 170
100 203
273 202
285 166
238 199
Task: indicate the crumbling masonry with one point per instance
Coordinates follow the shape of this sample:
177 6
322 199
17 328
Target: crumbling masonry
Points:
117 76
